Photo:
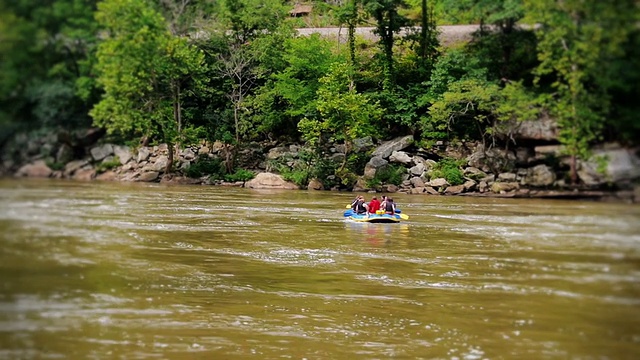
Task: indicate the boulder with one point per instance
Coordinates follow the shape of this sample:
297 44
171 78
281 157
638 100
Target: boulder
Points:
400 157
362 144
277 152
100 152
143 154
544 128
503 187
123 153
417 170
417 182
386 149
469 185
149 176
270 181
439 182
160 164
454 190
107 176
315 184
540 175
375 163
430 190
71 167
36 169
507 177
85 174
619 165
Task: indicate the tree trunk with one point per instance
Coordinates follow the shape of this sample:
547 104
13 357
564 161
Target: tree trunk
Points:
169 167
573 170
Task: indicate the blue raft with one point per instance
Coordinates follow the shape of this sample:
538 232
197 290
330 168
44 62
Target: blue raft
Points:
372 218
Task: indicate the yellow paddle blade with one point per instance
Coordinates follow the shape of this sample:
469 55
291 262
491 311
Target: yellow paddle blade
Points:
404 216
348 207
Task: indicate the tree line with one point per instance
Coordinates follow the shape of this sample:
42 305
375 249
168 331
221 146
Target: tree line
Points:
235 71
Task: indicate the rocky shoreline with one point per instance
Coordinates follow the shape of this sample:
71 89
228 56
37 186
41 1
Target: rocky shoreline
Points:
531 174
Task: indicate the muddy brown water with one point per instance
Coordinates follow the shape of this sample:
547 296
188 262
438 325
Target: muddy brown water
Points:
138 271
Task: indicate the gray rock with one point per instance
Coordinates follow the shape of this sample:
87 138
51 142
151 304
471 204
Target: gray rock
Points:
417 170
375 163
507 177
386 149
149 176
143 154
439 182
431 190
454 190
469 185
315 184
123 153
100 152
277 153
540 175
270 181
160 164
72 166
36 169
503 187
85 174
417 182
362 144
400 157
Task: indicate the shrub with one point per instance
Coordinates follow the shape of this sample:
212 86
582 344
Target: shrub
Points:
240 175
450 170
205 166
390 175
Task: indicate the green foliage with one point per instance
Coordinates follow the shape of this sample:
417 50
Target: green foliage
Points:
146 73
240 175
290 94
299 177
205 166
449 169
55 166
345 113
42 49
391 174
577 41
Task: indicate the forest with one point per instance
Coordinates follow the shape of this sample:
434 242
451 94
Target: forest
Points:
237 72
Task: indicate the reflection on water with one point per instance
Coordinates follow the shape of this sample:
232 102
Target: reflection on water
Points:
105 270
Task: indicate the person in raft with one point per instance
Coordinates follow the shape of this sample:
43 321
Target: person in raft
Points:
359 205
384 202
389 207
374 205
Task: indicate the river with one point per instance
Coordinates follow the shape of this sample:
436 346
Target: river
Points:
146 271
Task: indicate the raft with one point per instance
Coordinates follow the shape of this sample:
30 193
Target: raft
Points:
372 218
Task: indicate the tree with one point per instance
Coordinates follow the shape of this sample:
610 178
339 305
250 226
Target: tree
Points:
290 94
344 113
577 40
145 73
42 56
388 22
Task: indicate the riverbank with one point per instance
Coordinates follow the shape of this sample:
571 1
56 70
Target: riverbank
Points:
523 172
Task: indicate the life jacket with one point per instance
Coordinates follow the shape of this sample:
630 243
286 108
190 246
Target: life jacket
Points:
388 207
359 207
